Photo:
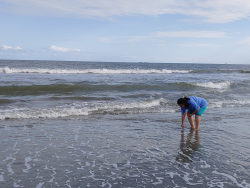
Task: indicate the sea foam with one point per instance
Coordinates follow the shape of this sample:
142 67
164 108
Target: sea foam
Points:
80 109
215 85
228 103
233 179
8 70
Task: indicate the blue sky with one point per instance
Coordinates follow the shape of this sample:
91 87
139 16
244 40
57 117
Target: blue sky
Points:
163 31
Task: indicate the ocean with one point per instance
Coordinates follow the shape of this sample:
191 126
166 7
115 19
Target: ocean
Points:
117 124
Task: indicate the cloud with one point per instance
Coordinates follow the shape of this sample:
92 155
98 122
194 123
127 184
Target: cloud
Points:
178 34
192 34
60 49
190 44
222 11
245 41
215 11
10 48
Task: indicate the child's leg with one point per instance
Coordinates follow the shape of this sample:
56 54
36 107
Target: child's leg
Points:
197 122
191 121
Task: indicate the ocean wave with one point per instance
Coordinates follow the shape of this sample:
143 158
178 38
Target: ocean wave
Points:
69 89
65 89
244 71
214 85
112 108
214 71
210 71
8 70
228 103
80 109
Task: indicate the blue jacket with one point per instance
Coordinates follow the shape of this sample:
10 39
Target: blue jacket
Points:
195 103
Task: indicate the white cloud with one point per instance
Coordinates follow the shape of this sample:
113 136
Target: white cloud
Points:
245 41
222 11
60 49
10 48
192 34
178 34
216 11
190 44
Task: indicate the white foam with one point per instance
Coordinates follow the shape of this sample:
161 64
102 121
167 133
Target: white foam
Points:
228 103
189 158
215 85
116 167
128 163
8 70
157 148
5 70
172 174
186 178
16 185
40 185
205 164
104 184
27 159
79 109
154 153
10 170
159 180
53 175
134 176
233 179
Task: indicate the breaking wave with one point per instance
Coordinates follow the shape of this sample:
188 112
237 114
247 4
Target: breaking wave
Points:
215 85
8 70
228 103
80 109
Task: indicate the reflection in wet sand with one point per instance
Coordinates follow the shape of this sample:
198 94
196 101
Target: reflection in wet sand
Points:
188 146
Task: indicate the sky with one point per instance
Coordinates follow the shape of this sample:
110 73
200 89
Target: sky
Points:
160 31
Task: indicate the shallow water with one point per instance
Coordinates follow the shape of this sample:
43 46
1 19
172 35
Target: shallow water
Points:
146 150
92 124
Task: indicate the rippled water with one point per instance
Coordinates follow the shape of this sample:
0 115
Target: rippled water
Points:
122 130
124 151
